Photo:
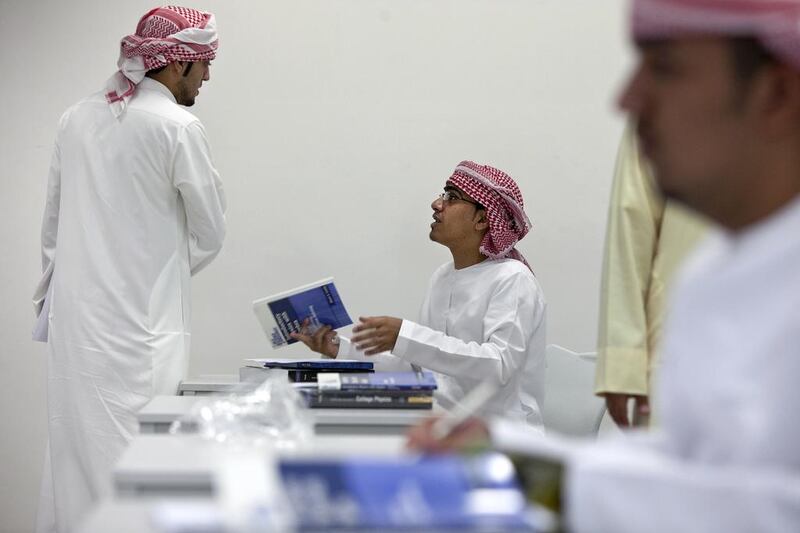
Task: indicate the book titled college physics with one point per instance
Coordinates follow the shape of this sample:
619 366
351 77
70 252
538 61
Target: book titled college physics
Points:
284 313
380 399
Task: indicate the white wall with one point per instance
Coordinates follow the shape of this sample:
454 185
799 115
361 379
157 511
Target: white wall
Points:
333 123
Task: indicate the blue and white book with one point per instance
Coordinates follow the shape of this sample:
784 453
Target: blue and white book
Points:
318 364
405 494
284 313
378 381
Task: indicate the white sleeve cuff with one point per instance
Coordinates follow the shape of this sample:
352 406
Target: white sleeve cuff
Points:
403 338
345 348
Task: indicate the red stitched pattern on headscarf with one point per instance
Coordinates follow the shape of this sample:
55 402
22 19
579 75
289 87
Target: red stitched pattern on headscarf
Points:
152 38
163 35
500 195
775 23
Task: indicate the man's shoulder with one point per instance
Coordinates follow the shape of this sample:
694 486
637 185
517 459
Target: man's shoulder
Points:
514 276
153 106
144 107
509 268
443 269
84 104
493 274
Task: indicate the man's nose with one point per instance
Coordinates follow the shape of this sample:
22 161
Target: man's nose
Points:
631 98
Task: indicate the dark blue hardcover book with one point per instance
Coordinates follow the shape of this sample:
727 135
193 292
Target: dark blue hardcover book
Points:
387 381
284 313
405 494
318 365
356 399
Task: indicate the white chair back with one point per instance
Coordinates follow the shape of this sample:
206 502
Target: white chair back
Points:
570 405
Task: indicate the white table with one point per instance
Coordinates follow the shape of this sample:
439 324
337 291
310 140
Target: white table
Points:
161 411
136 516
120 516
212 384
184 466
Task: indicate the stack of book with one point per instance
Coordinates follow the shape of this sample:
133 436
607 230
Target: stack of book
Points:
386 390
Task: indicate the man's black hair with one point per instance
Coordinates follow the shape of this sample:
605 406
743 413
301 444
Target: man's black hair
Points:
151 73
186 70
749 57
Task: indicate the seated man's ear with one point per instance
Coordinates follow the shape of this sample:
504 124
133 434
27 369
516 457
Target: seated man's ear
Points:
481 220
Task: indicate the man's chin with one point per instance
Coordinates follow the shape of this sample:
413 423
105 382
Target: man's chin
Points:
186 100
674 195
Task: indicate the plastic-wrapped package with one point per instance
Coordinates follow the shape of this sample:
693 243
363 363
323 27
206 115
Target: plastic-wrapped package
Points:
272 415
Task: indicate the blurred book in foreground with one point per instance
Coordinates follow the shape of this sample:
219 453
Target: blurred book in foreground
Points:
478 493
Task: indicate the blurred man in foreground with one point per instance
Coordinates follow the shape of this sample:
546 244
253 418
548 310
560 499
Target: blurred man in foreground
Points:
716 95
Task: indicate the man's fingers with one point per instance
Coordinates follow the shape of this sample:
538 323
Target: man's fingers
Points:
642 405
364 337
319 335
618 409
620 417
370 345
305 339
364 322
368 322
420 437
641 411
304 326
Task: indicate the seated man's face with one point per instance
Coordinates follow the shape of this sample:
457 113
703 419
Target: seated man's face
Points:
455 215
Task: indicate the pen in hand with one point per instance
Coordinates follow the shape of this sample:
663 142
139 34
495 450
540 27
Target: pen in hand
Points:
464 409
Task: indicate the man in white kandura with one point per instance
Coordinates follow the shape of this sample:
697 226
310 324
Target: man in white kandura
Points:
484 315
716 96
134 208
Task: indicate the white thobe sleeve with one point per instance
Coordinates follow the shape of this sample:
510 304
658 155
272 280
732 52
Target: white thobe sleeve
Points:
644 489
49 231
503 352
384 361
200 187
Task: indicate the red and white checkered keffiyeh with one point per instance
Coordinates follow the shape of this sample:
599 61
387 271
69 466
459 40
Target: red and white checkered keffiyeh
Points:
775 23
163 35
500 195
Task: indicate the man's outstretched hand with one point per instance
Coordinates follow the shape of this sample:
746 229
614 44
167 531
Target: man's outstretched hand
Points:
375 334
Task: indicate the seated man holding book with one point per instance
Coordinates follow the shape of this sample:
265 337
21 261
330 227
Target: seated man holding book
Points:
484 314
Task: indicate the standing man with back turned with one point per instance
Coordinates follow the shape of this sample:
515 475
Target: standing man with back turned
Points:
134 208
